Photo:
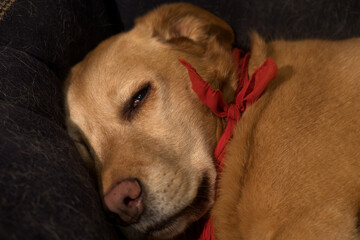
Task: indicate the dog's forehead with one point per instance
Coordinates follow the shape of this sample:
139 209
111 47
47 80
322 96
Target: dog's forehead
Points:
123 52
126 55
114 59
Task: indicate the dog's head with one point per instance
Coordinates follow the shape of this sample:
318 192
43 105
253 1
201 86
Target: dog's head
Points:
136 121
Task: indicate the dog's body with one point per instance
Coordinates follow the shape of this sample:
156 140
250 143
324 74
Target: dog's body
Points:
292 169
294 162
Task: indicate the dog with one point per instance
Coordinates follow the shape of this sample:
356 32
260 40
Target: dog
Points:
292 168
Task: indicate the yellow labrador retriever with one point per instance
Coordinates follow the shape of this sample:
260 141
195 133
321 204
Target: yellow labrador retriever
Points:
292 169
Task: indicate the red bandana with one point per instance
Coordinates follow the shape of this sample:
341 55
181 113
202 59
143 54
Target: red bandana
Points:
249 90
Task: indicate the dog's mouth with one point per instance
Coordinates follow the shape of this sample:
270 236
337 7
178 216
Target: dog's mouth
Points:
198 208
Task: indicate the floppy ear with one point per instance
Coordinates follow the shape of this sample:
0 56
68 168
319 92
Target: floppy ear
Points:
184 24
198 32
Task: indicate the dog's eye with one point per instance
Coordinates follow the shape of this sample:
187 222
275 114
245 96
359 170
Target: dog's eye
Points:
139 96
84 149
136 101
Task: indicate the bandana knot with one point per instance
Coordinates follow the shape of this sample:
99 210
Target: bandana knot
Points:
248 91
233 113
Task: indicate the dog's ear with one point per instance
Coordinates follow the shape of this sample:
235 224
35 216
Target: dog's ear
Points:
198 32
184 24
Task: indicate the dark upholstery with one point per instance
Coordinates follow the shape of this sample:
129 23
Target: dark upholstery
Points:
287 19
45 190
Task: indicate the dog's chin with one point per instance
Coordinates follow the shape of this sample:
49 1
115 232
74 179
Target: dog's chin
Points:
176 224
168 230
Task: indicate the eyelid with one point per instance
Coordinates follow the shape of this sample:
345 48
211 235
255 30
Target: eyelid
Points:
129 111
83 143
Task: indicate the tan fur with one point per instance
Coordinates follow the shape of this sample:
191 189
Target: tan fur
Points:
293 167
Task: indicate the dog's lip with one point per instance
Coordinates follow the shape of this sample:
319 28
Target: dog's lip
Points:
199 207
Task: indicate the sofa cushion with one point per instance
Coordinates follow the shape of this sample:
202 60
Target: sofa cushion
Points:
28 83
46 191
57 33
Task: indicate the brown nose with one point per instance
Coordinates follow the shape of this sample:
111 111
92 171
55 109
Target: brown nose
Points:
125 199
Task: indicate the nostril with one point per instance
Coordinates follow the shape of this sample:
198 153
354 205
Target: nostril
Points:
126 200
130 201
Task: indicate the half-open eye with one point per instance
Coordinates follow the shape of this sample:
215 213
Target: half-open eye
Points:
139 96
136 101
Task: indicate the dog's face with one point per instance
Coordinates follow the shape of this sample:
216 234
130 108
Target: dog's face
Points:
135 119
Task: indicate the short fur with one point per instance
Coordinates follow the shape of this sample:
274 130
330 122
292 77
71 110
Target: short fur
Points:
293 166
292 170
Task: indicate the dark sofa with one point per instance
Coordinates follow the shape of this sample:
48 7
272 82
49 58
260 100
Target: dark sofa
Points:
46 192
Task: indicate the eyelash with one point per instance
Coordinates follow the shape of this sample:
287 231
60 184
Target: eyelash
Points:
135 102
139 96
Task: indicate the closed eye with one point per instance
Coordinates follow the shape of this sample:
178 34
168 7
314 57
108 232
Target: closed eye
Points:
136 101
85 149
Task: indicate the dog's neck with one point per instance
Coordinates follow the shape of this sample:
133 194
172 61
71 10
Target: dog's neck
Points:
226 80
228 84
248 90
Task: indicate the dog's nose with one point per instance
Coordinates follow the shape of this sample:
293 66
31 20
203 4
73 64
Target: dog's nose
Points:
126 200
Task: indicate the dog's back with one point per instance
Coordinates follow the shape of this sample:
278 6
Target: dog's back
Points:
293 166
